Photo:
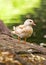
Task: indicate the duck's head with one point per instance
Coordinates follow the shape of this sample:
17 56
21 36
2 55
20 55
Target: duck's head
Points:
29 22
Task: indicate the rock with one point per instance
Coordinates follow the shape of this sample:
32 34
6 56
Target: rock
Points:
24 54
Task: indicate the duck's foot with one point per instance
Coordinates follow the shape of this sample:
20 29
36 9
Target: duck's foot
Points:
24 42
18 39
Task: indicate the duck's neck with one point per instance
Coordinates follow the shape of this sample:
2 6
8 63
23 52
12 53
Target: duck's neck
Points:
28 25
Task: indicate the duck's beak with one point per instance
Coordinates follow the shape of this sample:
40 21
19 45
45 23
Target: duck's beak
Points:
33 24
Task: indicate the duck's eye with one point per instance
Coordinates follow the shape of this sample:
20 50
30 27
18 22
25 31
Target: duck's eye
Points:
30 21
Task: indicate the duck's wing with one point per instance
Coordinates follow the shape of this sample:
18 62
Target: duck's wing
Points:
23 29
21 26
19 29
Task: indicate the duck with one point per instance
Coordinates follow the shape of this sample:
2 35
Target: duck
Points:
25 30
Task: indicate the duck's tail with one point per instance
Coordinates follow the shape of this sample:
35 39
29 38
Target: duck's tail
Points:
13 32
14 28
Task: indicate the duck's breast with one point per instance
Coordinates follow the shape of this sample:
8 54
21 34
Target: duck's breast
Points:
29 31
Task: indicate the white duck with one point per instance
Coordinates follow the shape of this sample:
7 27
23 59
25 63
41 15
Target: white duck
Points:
25 30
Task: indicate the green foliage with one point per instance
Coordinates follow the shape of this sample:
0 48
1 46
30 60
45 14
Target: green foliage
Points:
14 12
10 10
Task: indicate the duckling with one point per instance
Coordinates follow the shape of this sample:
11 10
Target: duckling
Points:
25 30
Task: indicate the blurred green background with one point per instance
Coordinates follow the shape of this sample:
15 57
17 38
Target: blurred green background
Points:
15 12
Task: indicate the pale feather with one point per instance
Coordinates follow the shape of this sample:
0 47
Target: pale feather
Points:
23 31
